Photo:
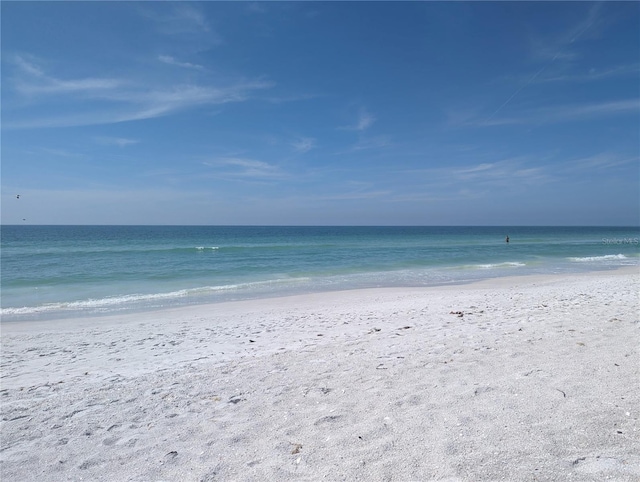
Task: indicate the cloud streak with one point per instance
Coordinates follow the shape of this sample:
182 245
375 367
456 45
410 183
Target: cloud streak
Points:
364 121
595 74
107 100
505 173
599 162
570 36
116 141
169 60
247 168
304 144
38 83
568 113
177 18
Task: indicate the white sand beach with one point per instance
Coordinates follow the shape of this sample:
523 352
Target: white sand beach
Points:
517 379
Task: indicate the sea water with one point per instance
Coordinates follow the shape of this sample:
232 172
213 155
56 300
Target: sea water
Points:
61 271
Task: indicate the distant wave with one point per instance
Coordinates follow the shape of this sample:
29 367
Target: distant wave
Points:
608 257
91 251
115 302
94 251
506 264
94 303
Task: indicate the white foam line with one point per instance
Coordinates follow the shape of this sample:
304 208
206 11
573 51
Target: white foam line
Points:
599 258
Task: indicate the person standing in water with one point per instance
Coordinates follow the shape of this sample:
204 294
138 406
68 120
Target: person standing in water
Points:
507 239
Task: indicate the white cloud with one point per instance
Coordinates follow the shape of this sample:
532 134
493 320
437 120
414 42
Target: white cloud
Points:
567 113
562 45
49 151
598 109
355 195
280 99
364 121
37 83
116 141
368 143
480 168
594 74
156 103
599 162
28 67
117 100
176 18
192 16
245 168
501 173
304 144
167 59
54 86
255 7
552 50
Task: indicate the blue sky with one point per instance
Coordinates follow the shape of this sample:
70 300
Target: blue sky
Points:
375 113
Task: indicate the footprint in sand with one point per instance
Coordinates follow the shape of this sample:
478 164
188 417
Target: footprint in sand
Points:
328 419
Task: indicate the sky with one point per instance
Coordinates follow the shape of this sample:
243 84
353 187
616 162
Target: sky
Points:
320 113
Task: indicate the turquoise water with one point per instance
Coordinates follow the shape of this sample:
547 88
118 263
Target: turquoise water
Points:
61 271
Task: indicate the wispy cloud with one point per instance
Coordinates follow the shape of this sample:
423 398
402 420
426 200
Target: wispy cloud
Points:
593 109
503 173
475 170
555 50
562 46
437 196
515 174
175 18
355 195
594 74
370 143
304 144
53 86
161 102
116 141
279 99
35 82
367 143
602 161
167 59
192 16
240 167
567 113
28 66
256 7
509 170
364 121
354 190
56 152
107 100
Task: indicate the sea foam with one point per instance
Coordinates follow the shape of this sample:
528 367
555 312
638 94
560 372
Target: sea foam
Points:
114 303
608 257
506 264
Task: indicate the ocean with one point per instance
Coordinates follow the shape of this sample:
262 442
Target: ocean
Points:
50 272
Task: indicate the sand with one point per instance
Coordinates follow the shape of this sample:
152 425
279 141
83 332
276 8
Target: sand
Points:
519 379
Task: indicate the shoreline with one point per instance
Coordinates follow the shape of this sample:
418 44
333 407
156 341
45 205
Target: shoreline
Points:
504 379
46 317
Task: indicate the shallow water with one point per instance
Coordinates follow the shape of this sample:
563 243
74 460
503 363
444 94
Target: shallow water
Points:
53 271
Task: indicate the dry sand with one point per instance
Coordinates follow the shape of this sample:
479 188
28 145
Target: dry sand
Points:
519 379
